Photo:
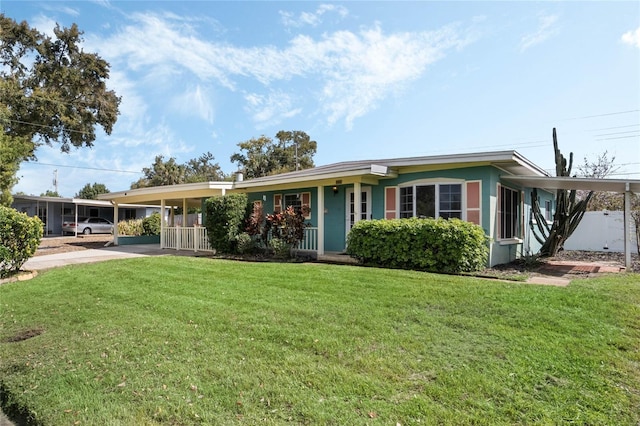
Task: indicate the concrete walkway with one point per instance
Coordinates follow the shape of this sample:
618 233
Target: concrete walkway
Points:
39 263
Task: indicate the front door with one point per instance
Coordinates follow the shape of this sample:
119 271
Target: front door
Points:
365 206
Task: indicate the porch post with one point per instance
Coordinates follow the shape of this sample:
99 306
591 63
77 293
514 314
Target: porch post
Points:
627 227
357 202
115 223
184 213
162 223
75 234
320 216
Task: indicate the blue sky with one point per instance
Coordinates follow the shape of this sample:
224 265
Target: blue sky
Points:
366 80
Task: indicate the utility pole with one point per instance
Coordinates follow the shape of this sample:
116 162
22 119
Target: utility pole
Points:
55 180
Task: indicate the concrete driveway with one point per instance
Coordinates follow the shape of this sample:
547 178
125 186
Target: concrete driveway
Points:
39 263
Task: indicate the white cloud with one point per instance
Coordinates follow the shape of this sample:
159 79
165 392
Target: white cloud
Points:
632 38
194 102
346 74
546 29
271 108
312 18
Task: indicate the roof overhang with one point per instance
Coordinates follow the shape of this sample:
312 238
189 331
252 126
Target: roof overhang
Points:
171 194
77 201
568 183
367 173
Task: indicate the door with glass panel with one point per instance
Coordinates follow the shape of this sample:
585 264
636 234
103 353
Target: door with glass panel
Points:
365 206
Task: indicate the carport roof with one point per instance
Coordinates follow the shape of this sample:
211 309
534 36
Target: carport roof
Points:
171 194
567 183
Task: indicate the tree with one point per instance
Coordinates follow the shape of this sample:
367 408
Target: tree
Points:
568 214
601 168
294 150
91 192
50 193
13 150
50 91
162 173
203 169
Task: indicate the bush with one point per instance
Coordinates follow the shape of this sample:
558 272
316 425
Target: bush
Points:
131 227
287 226
281 248
225 218
20 237
245 244
151 224
437 245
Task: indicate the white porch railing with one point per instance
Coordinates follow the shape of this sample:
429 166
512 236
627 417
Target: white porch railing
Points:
310 240
195 238
187 238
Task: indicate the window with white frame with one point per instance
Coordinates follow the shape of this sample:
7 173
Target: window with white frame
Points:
431 200
293 200
508 213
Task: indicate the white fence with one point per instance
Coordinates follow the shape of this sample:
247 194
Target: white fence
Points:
601 231
195 238
191 238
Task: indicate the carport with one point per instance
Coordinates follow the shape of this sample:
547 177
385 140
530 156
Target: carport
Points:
171 197
621 186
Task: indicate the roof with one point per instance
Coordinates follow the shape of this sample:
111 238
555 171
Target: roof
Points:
510 161
172 194
78 201
364 171
587 184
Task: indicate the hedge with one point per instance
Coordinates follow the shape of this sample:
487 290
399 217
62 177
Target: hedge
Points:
20 237
225 219
436 245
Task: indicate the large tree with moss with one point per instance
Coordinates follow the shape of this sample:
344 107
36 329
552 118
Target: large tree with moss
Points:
51 92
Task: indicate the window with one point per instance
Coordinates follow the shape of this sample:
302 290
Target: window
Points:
436 200
293 200
508 213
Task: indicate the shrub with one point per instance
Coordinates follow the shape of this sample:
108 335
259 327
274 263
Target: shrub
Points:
287 226
437 245
245 243
20 237
131 227
225 218
281 248
151 224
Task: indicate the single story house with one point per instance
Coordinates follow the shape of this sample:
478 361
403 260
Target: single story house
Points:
474 187
53 211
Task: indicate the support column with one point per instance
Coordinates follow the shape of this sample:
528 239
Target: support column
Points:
115 224
76 221
320 216
627 227
357 202
184 213
162 223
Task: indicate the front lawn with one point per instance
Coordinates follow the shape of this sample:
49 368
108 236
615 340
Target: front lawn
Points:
178 340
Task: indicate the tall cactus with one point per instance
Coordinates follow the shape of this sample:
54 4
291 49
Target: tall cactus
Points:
568 213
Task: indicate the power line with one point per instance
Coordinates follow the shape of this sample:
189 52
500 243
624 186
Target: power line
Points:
615 127
618 137
602 115
83 167
618 133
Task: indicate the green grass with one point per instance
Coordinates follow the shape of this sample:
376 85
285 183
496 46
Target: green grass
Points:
177 340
